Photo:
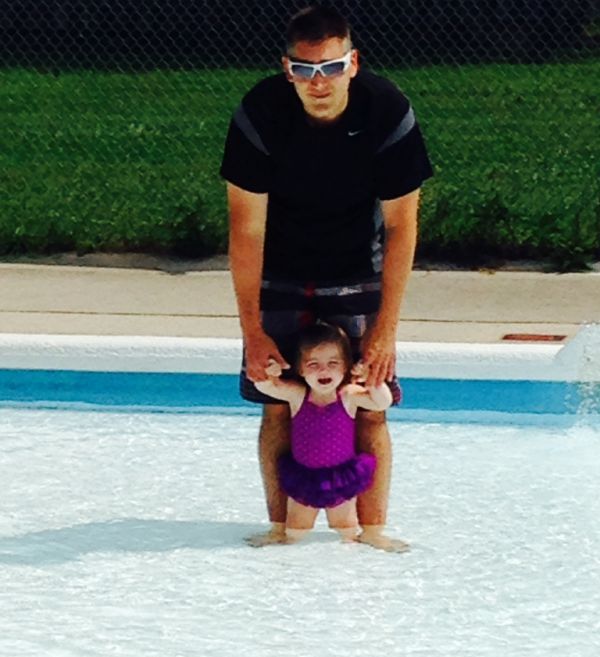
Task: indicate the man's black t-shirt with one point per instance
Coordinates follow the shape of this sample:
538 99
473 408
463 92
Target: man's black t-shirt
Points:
325 183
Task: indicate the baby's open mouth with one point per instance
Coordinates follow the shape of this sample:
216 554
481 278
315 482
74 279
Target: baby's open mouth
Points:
325 380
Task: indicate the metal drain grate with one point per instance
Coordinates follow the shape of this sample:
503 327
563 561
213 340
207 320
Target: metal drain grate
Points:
534 337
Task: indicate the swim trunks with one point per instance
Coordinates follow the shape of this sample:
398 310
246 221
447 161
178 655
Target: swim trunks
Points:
289 307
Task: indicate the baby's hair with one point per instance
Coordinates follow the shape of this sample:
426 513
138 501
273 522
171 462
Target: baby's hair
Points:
323 333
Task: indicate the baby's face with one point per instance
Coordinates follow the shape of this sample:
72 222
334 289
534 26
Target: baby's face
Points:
323 367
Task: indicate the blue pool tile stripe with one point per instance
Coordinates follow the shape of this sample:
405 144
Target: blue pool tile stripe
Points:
492 395
172 390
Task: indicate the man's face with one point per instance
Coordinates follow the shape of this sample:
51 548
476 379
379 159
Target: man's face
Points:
324 97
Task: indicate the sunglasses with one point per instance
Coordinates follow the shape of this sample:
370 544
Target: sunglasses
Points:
328 69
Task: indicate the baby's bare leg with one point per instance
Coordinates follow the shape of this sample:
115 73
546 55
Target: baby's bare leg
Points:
344 520
300 520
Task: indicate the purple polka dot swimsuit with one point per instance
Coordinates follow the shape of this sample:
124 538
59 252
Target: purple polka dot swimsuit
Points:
323 469
322 436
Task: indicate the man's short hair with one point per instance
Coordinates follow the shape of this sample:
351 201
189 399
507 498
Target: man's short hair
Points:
315 24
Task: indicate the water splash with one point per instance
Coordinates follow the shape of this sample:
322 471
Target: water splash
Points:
585 350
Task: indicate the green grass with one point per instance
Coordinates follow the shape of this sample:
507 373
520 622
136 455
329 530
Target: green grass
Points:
93 161
517 158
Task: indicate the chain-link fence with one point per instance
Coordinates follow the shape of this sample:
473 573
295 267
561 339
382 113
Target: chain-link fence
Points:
115 112
202 33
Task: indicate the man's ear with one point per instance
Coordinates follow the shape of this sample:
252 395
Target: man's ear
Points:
285 62
354 64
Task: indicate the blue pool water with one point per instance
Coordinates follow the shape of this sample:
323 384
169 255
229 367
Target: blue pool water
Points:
121 533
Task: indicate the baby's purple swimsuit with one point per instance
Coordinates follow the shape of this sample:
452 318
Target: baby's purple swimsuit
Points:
323 469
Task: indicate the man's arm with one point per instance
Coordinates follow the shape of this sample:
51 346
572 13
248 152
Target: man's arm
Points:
247 224
379 343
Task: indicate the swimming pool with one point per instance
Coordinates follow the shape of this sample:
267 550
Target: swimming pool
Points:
122 533
495 382
126 499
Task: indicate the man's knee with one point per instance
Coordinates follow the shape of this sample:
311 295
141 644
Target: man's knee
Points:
275 419
372 432
275 428
275 414
371 418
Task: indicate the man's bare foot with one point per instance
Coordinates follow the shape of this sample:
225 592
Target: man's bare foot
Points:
274 536
373 535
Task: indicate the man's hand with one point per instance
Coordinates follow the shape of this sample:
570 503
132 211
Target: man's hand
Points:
378 348
261 351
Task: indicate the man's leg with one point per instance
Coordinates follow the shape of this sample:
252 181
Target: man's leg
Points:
273 441
373 437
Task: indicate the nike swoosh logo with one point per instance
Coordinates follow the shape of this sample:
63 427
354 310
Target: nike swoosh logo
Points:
353 133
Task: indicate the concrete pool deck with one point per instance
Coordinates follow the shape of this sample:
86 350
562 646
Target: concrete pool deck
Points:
440 306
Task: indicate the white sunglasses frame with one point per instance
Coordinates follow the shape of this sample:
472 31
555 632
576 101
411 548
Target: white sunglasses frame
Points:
318 68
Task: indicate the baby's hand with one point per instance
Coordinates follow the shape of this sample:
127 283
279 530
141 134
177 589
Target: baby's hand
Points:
273 368
359 372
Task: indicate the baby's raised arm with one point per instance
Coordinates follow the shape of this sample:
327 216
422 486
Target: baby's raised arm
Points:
372 398
289 391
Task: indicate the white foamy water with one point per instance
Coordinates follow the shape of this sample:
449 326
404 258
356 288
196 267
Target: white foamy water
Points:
122 534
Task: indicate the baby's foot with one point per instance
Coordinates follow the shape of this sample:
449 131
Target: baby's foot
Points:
275 536
294 535
347 534
373 535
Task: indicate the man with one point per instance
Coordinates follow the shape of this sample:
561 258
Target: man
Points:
322 162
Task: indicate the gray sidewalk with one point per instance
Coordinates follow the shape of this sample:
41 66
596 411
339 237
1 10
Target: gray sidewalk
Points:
440 306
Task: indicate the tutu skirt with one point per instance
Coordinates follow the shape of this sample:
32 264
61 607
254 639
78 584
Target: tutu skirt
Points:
326 487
